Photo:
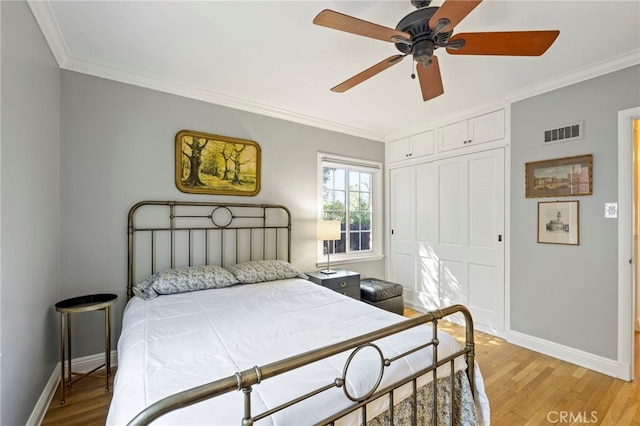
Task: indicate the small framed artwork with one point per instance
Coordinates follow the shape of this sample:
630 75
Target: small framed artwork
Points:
561 177
558 222
212 164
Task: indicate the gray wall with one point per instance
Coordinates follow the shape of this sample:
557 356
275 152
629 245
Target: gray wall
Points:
30 202
117 148
568 294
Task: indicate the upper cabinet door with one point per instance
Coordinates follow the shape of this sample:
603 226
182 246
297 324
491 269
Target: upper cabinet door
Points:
487 128
399 150
412 147
453 136
481 129
423 143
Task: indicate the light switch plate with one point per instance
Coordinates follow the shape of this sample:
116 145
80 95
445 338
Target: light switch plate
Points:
611 210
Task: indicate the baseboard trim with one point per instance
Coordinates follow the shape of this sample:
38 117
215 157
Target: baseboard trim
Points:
584 359
457 318
39 411
80 365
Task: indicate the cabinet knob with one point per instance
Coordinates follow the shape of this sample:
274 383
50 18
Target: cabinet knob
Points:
343 284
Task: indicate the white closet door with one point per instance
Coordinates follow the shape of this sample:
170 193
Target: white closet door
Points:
460 234
403 229
486 238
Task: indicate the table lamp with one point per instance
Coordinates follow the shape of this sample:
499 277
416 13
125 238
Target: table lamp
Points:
328 230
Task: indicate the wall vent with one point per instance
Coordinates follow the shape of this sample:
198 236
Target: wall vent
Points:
565 133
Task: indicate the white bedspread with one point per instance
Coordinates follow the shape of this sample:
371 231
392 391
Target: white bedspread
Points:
177 342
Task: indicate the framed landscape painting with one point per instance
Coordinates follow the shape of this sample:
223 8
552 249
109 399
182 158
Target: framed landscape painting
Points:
561 177
213 164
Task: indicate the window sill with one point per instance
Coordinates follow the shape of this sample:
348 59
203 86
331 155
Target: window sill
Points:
343 261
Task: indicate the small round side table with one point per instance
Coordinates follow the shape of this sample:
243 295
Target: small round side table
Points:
92 302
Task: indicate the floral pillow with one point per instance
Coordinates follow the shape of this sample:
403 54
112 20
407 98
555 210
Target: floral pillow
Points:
183 280
264 270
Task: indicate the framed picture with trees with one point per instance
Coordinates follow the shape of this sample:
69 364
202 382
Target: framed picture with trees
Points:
213 164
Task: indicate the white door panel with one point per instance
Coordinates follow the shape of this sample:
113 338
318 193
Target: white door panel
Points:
482 292
428 289
451 202
482 202
426 207
403 195
403 239
453 282
403 272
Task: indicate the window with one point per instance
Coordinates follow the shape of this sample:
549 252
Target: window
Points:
350 191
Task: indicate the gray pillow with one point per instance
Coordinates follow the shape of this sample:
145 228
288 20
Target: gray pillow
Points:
181 280
264 270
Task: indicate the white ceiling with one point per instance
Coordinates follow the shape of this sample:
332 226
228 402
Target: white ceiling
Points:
268 57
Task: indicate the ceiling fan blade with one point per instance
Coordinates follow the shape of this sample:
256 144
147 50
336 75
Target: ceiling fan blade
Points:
368 73
430 79
509 43
454 11
338 21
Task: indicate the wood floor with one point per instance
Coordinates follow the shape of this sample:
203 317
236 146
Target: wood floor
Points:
524 388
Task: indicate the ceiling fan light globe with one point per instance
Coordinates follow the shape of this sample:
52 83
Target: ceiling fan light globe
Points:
423 50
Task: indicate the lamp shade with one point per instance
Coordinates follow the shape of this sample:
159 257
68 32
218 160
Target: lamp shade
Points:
328 230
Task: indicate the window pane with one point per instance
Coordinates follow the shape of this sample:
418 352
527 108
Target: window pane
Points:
365 182
328 196
365 241
340 179
354 200
365 221
334 206
365 201
355 241
348 197
340 246
354 181
328 177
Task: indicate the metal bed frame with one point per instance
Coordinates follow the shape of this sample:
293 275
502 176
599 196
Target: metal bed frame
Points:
263 231
211 233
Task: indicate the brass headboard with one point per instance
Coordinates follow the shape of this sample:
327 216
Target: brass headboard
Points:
170 234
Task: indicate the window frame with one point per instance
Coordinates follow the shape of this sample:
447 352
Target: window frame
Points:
377 203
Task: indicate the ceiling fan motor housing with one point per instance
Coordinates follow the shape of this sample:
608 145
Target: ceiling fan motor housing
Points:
419 4
423 41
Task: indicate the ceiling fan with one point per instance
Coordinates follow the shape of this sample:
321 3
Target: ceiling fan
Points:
426 29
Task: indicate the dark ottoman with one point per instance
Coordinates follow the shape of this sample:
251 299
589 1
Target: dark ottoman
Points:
383 294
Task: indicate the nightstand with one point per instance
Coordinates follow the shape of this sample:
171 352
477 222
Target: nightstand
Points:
92 302
344 282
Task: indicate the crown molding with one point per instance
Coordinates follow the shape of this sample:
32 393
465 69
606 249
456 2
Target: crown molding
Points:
49 27
43 14
607 66
595 70
201 94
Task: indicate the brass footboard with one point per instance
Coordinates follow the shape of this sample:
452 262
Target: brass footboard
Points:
245 380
